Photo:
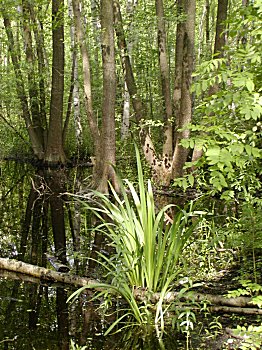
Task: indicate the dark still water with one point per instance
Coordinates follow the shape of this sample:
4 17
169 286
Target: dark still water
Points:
36 316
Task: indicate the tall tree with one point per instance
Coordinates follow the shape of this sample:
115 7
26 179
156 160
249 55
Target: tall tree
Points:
104 139
54 150
108 150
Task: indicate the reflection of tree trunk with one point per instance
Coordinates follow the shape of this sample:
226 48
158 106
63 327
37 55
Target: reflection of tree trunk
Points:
55 181
62 318
44 233
88 316
97 245
12 304
36 230
34 302
25 227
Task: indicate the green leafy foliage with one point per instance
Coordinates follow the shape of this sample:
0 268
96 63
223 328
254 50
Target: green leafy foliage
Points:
252 336
228 128
250 288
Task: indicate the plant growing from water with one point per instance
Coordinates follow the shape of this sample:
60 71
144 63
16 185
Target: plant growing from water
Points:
147 249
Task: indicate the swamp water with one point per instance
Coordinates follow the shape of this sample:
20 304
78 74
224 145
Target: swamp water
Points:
36 316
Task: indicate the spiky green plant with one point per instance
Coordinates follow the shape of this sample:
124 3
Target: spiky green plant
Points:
147 249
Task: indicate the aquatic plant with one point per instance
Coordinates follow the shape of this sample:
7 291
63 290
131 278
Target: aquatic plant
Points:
147 248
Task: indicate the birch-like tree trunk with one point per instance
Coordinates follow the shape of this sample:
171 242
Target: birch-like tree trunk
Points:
130 8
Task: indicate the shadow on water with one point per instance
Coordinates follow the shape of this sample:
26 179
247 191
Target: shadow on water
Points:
36 316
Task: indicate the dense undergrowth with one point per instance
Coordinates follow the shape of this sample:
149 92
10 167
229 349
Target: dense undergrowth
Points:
155 255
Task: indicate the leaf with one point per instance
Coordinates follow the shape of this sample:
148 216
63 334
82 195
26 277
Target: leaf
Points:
250 85
191 180
248 149
213 155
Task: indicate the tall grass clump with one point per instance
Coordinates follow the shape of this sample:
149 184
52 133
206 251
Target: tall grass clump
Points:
147 249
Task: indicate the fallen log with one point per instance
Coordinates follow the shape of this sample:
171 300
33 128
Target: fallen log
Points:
236 310
44 274
198 297
217 302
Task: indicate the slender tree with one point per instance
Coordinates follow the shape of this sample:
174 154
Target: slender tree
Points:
165 79
104 139
107 156
184 116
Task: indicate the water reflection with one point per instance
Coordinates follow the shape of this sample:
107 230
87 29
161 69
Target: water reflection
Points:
36 316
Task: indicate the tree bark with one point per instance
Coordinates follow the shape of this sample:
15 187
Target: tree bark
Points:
130 8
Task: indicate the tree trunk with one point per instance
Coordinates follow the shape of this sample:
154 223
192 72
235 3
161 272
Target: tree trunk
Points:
220 38
130 7
54 150
185 108
106 158
137 103
165 80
